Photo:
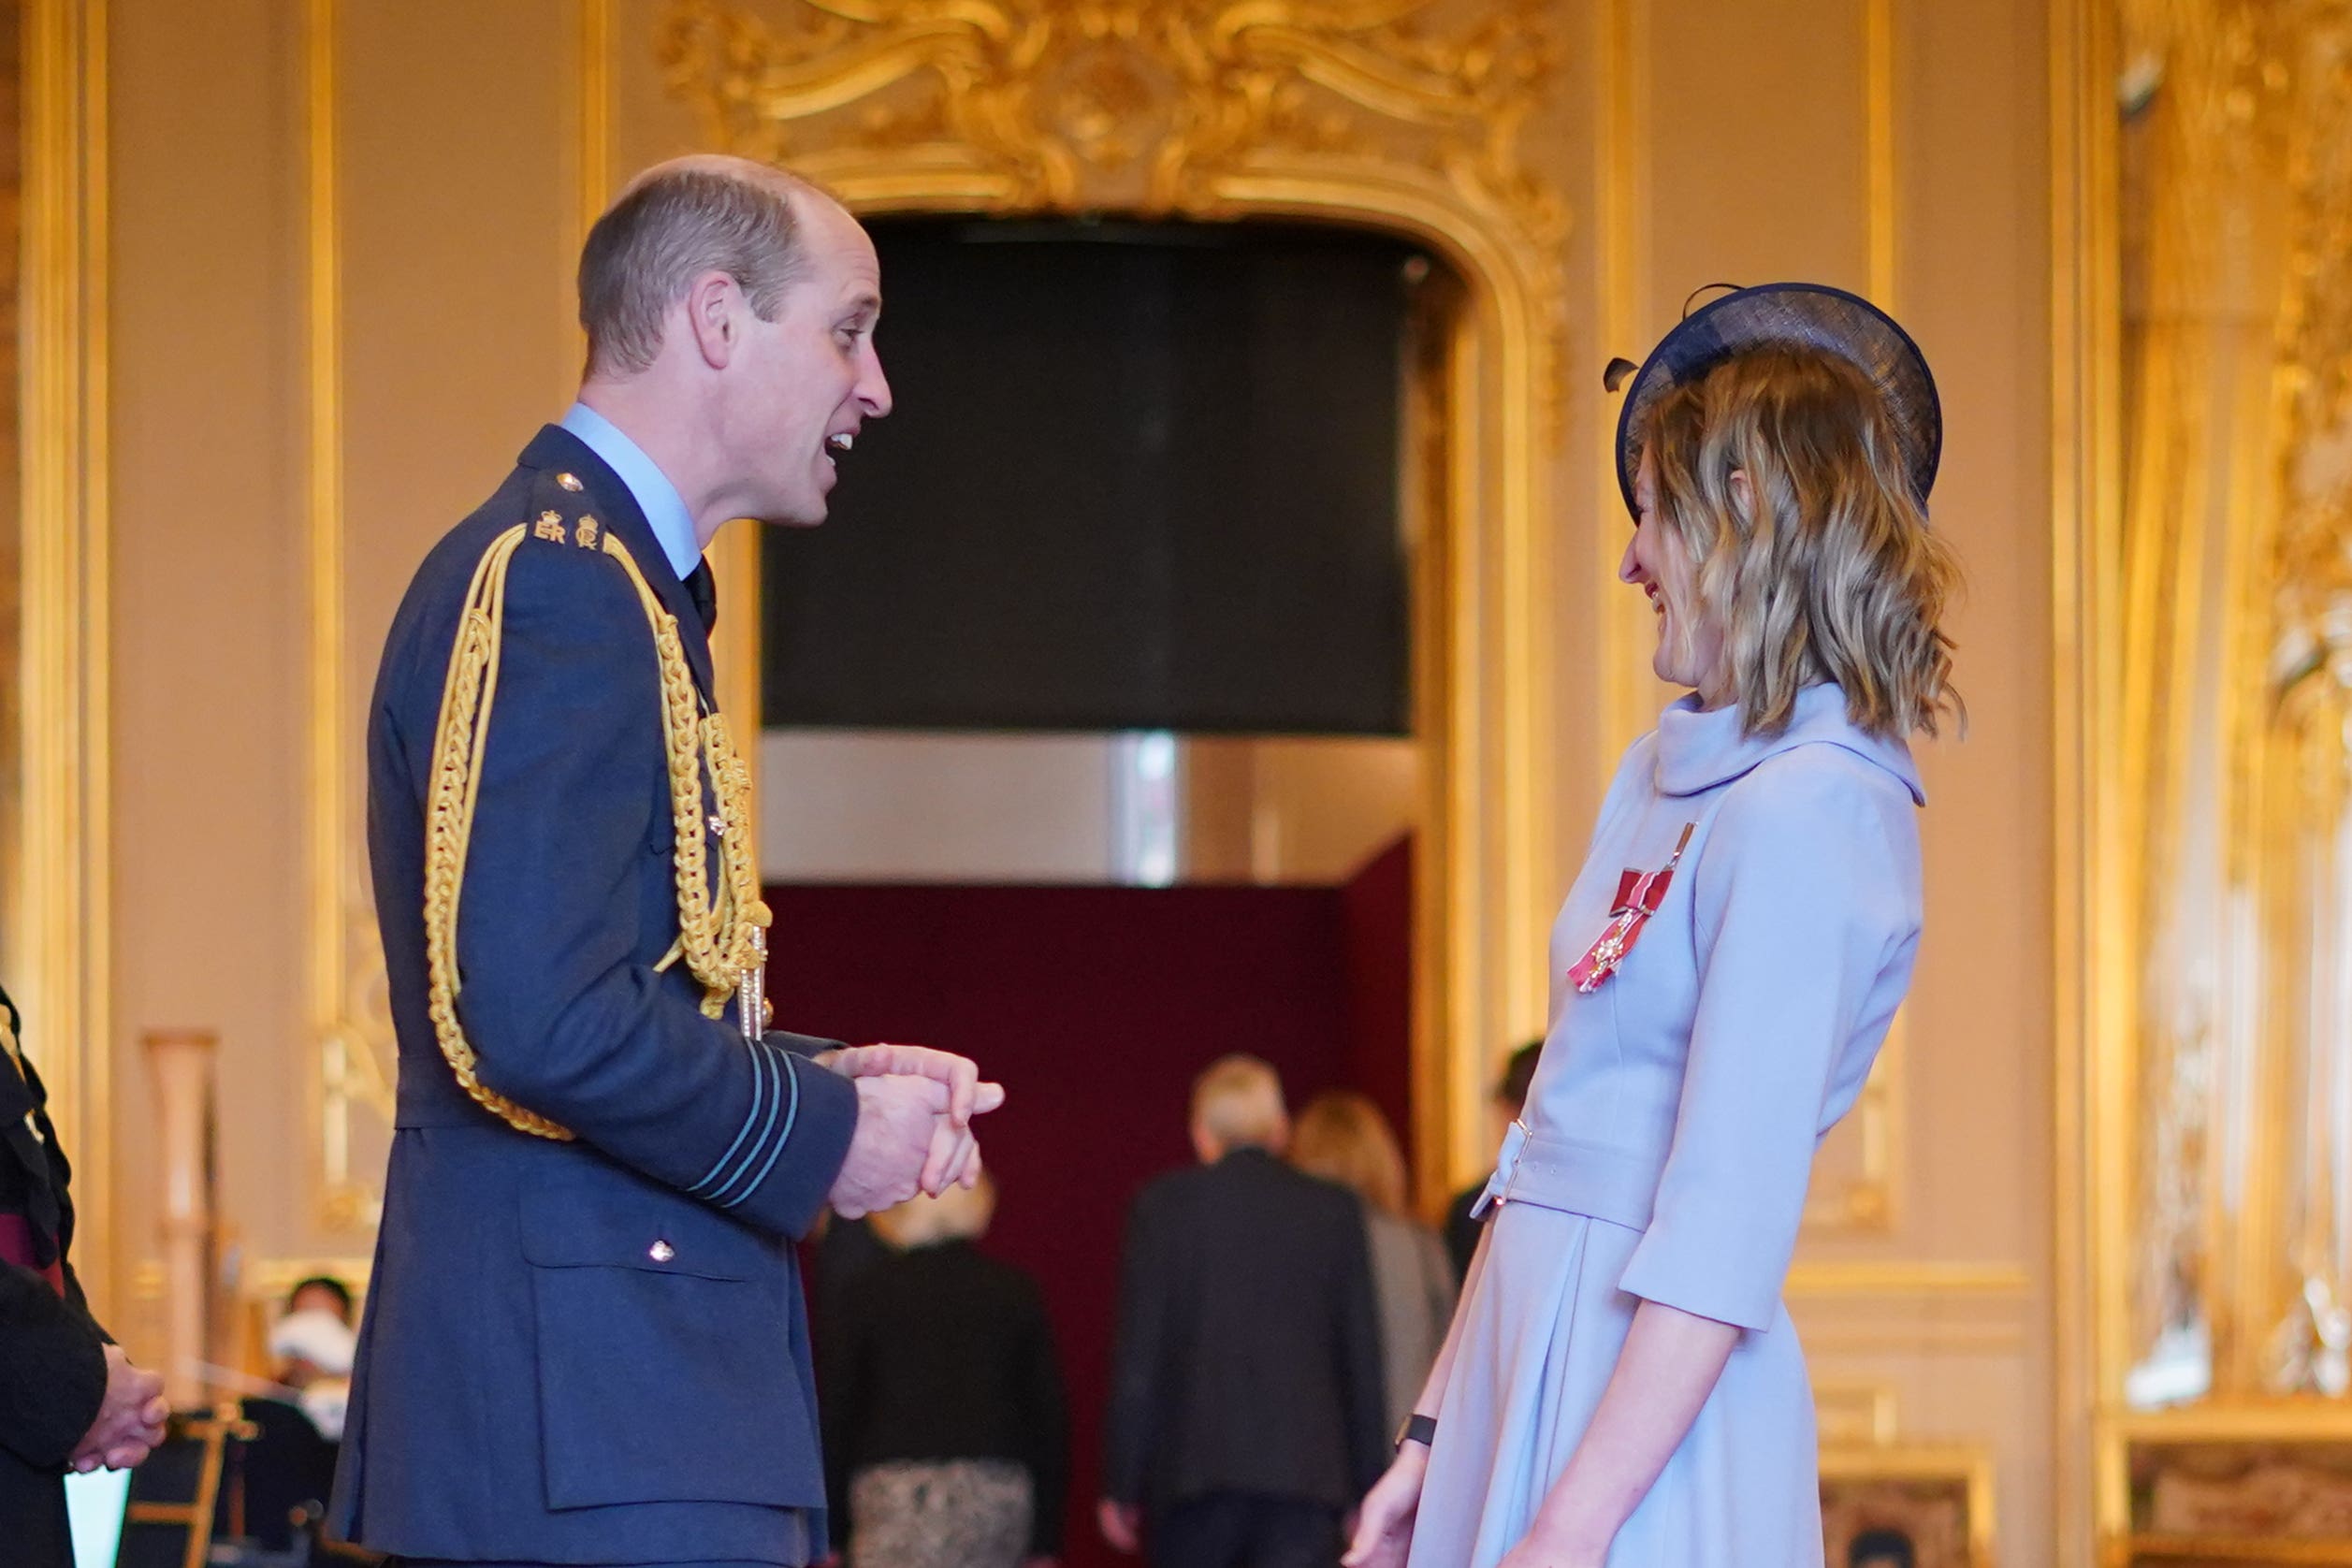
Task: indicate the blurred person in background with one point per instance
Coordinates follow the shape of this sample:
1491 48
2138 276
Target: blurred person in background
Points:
1246 1384
312 1348
1342 1138
947 1438
322 1293
1510 1098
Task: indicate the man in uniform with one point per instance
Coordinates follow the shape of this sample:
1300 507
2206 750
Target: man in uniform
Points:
585 1340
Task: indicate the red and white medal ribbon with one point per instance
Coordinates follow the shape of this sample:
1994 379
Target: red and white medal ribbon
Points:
1639 896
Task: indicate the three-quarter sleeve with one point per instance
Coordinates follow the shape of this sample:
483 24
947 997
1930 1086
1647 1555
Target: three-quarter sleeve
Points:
1800 919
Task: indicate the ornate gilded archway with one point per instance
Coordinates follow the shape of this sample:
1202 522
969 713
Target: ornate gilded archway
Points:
1395 115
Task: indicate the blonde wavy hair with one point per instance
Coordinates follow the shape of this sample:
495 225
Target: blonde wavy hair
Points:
1822 566
1341 1136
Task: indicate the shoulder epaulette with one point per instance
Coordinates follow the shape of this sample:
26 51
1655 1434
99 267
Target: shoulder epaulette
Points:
560 515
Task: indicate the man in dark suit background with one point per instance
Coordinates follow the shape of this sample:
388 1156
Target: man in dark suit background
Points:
1246 1399
585 1340
69 1398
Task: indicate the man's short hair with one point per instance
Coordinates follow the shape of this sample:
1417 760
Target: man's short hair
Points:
672 225
1238 1102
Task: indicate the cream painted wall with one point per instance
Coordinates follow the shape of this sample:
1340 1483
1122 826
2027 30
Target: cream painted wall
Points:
1739 144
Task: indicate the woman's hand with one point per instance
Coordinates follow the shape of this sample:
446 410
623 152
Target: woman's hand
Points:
1384 1526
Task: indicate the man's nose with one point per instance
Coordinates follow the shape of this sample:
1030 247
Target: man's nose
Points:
873 386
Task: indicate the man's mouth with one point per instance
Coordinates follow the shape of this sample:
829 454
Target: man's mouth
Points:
836 446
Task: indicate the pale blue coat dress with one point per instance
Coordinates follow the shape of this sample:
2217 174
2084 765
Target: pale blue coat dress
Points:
1669 1135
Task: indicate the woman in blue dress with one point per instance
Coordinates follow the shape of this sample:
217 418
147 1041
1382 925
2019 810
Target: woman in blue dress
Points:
1621 1385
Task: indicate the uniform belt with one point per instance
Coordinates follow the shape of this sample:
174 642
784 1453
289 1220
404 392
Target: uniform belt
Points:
1569 1174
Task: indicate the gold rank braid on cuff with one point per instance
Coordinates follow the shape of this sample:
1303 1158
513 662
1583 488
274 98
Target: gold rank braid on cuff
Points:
717 940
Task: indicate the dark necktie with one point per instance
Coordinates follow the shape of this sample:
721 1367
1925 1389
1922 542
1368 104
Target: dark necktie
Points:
704 589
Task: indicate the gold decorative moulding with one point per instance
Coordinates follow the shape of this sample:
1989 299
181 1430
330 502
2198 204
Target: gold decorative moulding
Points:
1405 114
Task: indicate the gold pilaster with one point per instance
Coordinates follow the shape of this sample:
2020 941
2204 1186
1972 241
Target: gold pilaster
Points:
2092 978
61 958
346 1067
1623 621
1878 62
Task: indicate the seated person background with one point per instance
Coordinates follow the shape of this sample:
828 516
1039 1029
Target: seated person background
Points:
312 1348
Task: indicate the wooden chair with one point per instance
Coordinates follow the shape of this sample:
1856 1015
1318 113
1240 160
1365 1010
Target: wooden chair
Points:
174 1495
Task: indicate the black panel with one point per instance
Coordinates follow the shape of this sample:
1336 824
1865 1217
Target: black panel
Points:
1138 478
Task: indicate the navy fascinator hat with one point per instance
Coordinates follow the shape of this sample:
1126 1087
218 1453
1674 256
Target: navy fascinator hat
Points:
1787 315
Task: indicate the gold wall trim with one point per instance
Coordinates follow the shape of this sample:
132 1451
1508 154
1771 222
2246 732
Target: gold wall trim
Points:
2091 980
589 139
2298 1420
349 1021
1968 1465
1359 113
62 949
1856 1412
1622 623
1909 1277
596 116
1879 65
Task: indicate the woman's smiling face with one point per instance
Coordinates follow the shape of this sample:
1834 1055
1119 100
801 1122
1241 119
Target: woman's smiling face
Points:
1689 644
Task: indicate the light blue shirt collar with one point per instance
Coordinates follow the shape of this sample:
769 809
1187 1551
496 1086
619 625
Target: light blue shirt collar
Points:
657 498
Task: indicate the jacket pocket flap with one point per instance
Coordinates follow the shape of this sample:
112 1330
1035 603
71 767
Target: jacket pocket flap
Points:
596 1226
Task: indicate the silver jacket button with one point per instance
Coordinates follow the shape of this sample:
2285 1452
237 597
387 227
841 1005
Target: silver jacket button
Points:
662 1252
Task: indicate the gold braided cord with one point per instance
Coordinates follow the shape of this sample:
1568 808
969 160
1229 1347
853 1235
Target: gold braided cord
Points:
466 695
719 937
716 934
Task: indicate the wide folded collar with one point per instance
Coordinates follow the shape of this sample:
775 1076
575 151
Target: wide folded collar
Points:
1701 747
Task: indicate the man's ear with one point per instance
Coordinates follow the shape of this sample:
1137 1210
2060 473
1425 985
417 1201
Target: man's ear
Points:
714 308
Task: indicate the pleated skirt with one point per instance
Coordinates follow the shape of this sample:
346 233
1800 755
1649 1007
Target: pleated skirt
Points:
1543 1331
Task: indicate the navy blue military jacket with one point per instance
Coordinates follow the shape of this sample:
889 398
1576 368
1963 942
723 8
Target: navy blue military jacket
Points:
591 1351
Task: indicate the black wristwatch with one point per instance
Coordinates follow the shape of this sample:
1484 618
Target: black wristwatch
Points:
1418 1428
